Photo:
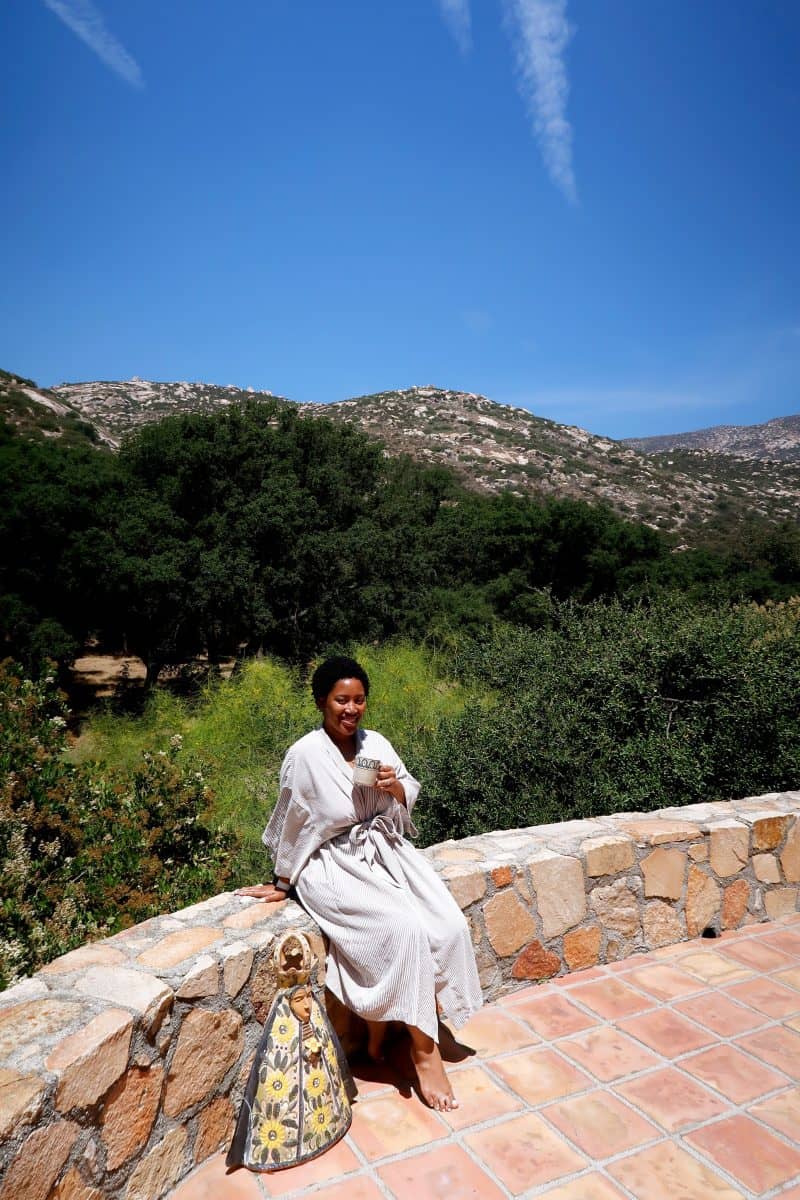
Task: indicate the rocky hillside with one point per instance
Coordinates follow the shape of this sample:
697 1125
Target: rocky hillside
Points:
122 406
37 413
776 441
495 448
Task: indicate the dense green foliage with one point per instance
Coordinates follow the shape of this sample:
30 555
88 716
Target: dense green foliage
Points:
257 530
532 661
84 852
238 730
613 708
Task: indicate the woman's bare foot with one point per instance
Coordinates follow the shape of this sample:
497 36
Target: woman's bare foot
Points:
376 1034
434 1085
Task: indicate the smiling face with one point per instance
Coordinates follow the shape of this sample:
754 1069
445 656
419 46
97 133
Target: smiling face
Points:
342 709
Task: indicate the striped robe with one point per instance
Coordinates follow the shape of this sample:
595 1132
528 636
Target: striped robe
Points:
398 940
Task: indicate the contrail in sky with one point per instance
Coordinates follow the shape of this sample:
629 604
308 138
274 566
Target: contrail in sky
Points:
458 19
84 20
540 31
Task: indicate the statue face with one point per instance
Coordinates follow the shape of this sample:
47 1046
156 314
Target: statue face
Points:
300 1004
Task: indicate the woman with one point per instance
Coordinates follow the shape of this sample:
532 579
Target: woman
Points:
398 941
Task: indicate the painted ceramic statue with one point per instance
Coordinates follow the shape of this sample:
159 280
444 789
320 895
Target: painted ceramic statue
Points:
297 1100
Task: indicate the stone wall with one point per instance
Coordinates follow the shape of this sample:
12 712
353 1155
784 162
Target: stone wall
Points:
123 1062
558 898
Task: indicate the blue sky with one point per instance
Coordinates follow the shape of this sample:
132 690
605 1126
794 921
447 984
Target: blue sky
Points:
584 207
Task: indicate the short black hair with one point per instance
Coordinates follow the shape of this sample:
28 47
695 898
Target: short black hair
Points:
332 670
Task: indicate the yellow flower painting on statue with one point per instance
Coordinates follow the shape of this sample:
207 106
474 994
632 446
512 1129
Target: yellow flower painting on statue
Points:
297 1098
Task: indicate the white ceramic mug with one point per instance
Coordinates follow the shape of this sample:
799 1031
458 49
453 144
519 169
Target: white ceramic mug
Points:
365 771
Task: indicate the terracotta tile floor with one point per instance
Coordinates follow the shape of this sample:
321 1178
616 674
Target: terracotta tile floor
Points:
672 1076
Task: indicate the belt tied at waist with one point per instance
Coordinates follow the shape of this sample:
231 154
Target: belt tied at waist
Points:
374 840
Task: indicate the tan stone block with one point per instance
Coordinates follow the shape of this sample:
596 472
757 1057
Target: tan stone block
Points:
466 887
91 955
89 1061
501 876
214 1128
21 1099
260 940
201 980
129 1112
509 925
127 987
535 962
521 885
618 948
655 831
608 855
209 1043
455 854
560 893
790 855
73 1187
177 947
263 988
698 852
780 902
765 868
33 1020
582 947
664 872
254 914
735 900
702 901
159 1169
616 908
38 1162
237 959
729 848
488 970
22 992
768 831
663 925
206 908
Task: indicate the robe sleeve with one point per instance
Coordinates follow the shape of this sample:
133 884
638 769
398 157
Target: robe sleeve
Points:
290 836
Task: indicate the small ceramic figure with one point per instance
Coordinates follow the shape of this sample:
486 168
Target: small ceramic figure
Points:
297 1100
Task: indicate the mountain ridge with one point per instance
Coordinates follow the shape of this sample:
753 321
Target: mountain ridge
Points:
493 448
776 440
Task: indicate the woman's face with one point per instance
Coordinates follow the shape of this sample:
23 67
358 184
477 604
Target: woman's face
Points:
343 708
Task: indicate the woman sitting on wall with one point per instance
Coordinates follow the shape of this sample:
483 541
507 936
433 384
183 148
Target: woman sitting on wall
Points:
398 941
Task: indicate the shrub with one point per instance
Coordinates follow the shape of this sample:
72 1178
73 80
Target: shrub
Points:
84 853
616 709
239 729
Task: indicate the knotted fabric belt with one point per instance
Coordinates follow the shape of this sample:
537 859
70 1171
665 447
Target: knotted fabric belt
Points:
374 841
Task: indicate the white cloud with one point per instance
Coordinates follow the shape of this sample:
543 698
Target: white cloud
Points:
83 19
541 31
458 20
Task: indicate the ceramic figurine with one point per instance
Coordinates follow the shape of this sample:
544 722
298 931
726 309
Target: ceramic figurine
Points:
297 1100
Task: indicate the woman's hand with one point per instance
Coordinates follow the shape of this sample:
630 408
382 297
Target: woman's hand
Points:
387 781
262 891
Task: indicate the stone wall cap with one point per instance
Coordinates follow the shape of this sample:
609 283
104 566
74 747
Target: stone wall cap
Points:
26 989
125 986
208 908
655 831
179 946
